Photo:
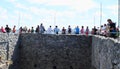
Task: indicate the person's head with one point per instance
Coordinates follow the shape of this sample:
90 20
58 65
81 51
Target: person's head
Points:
41 24
1 26
50 26
6 25
82 26
87 27
32 27
101 26
109 21
20 27
69 26
104 24
56 26
63 27
94 26
37 25
14 26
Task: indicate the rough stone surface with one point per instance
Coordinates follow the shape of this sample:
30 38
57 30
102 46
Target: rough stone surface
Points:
8 44
105 53
55 52
42 51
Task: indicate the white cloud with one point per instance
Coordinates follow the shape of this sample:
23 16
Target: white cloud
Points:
3 13
17 4
37 1
76 5
46 12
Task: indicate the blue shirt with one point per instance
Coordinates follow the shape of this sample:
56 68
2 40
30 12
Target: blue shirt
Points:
77 30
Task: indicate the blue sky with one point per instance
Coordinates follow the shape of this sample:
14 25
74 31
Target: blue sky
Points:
57 12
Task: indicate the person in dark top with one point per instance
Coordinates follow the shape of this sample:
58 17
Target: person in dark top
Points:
112 28
32 30
95 30
20 30
7 29
37 29
69 30
63 30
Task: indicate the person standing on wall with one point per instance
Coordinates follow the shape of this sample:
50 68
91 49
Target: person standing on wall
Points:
37 29
3 30
95 30
42 29
32 30
69 30
82 30
7 29
14 29
56 30
87 31
77 30
63 30
49 30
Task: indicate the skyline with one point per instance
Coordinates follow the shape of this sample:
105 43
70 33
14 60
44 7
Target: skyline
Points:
57 12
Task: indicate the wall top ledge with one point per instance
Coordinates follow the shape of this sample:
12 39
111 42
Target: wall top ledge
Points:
117 40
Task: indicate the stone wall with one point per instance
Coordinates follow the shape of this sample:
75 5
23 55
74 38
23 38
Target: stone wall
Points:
105 53
43 51
8 44
55 52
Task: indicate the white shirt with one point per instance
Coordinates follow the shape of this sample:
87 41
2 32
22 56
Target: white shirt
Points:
49 30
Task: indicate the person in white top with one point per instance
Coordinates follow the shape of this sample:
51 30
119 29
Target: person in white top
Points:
42 29
49 30
104 30
101 30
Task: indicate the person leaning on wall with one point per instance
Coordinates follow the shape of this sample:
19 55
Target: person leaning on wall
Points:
112 28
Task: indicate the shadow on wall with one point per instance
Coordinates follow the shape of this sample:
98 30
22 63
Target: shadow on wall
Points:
15 56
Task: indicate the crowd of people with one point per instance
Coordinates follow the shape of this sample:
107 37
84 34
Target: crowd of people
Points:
108 29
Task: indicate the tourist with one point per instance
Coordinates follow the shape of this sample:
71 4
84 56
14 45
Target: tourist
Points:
103 30
95 30
25 29
14 29
77 30
98 30
112 29
63 30
92 32
42 29
56 30
87 31
29 30
49 30
69 30
32 30
20 30
3 30
82 30
37 29
7 29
